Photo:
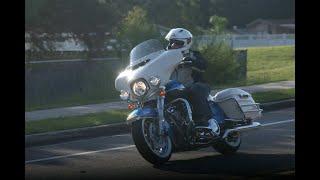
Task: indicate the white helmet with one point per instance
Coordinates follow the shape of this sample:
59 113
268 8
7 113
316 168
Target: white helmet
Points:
179 38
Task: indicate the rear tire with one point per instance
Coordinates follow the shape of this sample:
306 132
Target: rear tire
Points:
226 147
143 147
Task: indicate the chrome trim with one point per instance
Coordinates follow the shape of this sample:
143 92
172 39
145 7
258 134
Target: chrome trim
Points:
254 125
160 108
259 110
214 99
202 127
188 107
251 104
234 120
136 118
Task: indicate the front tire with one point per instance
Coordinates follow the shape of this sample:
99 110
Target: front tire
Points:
141 137
229 145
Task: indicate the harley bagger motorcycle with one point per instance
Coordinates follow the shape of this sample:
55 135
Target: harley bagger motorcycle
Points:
161 119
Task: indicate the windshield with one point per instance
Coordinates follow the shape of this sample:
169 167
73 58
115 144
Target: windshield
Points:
145 48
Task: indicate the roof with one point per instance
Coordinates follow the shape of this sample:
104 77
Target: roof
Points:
272 21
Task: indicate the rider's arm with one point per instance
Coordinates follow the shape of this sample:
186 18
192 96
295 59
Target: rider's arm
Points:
199 63
196 62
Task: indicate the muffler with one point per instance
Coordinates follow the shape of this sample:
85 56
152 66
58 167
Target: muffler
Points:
252 126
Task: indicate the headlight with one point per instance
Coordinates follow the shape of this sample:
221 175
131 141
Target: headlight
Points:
139 88
124 95
154 81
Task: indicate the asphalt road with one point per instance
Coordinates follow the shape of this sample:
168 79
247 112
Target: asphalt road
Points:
269 151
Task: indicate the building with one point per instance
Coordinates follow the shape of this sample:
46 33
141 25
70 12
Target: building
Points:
271 26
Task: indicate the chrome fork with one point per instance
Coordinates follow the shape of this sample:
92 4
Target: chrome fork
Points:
161 124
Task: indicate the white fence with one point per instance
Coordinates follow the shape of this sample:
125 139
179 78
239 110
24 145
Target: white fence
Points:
235 41
249 40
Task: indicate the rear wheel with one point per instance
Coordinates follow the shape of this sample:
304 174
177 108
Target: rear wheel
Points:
156 150
229 145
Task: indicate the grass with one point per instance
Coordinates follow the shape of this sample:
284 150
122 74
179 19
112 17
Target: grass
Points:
75 100
264 65
117 116
275 95
63 123
267 64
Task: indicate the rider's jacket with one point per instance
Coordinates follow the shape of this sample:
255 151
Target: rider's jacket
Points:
191 73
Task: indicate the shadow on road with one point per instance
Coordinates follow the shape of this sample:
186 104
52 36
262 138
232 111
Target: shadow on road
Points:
240 164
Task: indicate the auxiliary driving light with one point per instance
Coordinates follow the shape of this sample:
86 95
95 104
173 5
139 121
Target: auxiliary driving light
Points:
154 81
124 95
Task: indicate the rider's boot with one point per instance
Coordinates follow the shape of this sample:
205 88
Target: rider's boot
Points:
211 125
214 126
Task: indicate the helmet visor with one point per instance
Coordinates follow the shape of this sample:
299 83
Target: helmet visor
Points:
175 44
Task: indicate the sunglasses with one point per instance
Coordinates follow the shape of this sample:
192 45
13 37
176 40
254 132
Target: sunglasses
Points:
176 42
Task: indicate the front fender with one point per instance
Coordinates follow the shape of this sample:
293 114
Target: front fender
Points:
141 113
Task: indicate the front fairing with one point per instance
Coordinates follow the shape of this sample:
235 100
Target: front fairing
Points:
161 64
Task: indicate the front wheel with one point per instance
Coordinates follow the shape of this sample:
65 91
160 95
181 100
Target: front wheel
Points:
154 149
229 145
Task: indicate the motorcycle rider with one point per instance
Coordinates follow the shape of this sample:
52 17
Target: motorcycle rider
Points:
190 73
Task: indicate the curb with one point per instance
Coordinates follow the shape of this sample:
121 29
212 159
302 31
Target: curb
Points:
75 134
113 129
278 105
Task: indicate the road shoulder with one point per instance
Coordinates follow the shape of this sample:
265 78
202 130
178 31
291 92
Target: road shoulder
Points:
113 129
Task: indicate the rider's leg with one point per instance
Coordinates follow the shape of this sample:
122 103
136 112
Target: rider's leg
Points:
202 114
198 93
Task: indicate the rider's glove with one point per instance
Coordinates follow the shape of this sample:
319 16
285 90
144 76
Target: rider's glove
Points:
186 62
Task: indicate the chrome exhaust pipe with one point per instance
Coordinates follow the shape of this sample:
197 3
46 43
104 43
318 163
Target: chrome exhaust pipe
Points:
254 125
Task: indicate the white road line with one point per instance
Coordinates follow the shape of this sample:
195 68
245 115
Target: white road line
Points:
125 147
279 122
78 154
76 141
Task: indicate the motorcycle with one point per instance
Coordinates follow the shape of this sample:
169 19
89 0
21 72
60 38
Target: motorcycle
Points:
161 119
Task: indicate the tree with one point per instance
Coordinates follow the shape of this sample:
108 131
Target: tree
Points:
242 12
87 21
32 8
192 14
189 14
218 23
168 16
136 27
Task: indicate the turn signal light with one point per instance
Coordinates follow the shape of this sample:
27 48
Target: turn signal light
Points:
162 93
131 106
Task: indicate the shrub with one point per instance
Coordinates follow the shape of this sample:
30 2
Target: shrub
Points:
136 27
222 64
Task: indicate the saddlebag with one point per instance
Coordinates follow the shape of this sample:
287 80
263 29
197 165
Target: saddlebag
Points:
237 104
